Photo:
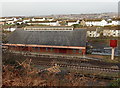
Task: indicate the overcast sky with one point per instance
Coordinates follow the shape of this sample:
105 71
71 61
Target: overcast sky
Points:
48 8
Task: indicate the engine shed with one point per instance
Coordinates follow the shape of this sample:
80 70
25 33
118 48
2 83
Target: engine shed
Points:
48 41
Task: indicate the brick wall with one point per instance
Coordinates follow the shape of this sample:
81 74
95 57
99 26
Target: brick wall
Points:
48 50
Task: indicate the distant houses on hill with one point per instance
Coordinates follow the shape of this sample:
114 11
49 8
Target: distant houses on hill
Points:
57 22
52 23
99 22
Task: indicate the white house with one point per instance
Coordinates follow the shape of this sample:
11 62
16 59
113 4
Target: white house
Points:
103 23
50 19
10 29
93 34
52 23
38 19
19 22
10 22
113 33
6 18
25 20
71 22
9 18
2 19
17 18
98 22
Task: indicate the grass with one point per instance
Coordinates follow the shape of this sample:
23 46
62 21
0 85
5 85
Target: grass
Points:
21 75
24 74
108 59
19 71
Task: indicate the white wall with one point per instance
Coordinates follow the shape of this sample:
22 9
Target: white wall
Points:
51 23
10 29
41 19
101 23
92 34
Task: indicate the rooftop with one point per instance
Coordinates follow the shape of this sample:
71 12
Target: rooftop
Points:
53 38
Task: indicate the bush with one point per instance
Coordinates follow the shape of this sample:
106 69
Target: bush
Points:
115 83
21 75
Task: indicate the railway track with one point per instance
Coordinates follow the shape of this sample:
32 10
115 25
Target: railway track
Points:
83 67
69 59
74 63
99 64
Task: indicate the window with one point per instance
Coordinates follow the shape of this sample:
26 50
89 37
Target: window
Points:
74 51
51 49
80 51
38 49
33 48
46 49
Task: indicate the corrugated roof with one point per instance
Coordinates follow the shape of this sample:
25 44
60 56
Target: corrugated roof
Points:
56 38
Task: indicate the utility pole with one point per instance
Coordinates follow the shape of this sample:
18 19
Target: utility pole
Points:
113 53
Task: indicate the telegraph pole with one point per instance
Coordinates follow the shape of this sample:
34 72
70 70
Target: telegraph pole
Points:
113 53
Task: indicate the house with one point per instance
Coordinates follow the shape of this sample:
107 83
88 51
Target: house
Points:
38 19
42 19
6 18
95 22
10 29
65 42
49 18
52 23
9 18
99 22
115 21
72 22
25 20
2 19
19 22
82 23
17 18
10 22
113 33
93 34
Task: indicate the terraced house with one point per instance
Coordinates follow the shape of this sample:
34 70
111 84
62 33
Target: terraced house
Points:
51 23
48 41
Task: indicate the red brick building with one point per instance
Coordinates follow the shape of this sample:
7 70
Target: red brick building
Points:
48 41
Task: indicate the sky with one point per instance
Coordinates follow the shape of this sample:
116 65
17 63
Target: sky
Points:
36 8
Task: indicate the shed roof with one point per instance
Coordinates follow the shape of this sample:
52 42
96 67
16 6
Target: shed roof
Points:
55 38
